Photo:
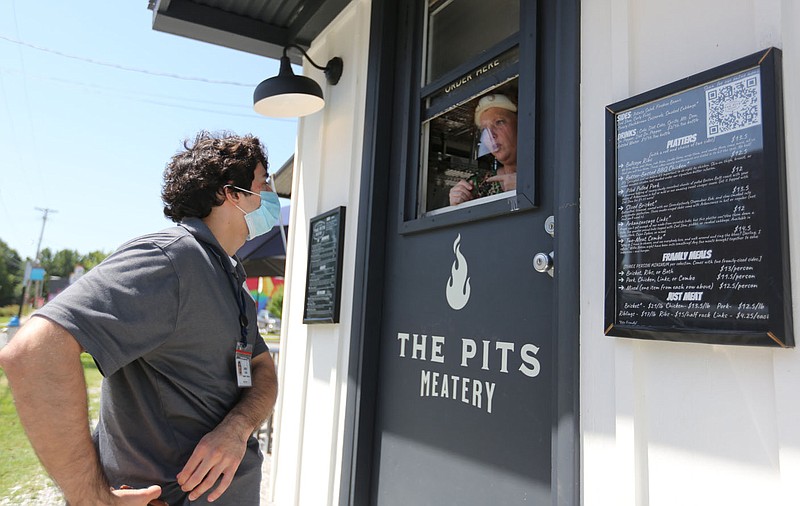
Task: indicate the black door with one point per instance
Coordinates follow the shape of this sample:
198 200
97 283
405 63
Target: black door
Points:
471 384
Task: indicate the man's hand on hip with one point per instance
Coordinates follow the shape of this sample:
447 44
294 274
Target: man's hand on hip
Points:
217 455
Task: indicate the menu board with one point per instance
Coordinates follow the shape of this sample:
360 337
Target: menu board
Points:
324 273
697 236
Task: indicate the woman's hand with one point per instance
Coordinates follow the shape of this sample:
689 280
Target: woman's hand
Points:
461 192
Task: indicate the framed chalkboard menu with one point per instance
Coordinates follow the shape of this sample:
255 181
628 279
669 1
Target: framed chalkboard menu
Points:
324 273
696 220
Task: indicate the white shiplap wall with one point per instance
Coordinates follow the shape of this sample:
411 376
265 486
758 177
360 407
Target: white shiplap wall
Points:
313 369
667 424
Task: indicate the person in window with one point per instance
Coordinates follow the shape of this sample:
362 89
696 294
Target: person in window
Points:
496 117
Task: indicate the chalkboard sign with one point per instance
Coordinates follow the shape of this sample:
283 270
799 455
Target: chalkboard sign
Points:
324 274
696 223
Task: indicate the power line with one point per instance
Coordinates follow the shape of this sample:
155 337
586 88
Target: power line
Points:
122 91
157 99
31 129
123 67
8 219
139 96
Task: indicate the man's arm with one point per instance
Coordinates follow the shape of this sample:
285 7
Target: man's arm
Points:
43 367
220 452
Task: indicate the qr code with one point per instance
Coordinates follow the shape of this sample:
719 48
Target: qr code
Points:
733 106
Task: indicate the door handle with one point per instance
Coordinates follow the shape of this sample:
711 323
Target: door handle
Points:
543 262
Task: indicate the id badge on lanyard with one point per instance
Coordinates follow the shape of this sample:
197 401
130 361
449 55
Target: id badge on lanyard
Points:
244 352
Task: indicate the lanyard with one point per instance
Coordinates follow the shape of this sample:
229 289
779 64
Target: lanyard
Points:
226 267
237 294
243 351
242 317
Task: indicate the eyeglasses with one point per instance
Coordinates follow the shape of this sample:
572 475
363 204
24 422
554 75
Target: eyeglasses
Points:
242 189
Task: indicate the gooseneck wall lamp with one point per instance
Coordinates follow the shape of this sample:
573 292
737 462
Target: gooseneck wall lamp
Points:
288 95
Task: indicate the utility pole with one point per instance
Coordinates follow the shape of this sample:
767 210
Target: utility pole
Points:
41 234
25 291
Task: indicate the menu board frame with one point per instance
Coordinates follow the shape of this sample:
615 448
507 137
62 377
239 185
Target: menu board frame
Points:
315 247
770 278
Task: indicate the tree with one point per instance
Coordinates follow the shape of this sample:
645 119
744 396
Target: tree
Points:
90 260
63 263
59 264
275 306
12 270
45 258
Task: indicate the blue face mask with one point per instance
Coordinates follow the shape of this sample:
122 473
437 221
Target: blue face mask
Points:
261 220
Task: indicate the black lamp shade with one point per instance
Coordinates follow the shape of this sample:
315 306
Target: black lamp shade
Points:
287 95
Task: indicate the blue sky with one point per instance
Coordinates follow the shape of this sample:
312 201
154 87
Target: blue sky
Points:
83 136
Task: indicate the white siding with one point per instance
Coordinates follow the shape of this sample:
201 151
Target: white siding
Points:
313 368
667 424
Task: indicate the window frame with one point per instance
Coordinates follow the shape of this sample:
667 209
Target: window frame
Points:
525 70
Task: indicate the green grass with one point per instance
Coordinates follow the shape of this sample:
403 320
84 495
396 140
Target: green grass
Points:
19 468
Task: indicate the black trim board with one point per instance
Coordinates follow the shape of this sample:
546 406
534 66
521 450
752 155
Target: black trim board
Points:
566 474
368 284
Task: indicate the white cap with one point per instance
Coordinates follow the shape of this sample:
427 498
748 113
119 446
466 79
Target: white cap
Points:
490 101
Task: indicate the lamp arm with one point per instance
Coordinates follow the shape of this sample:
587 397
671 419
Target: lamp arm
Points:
286 50
333 71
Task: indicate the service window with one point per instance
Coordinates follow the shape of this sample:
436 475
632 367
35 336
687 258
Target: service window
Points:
470 104
470 152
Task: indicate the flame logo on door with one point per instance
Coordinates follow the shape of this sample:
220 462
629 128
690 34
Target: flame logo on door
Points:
458 284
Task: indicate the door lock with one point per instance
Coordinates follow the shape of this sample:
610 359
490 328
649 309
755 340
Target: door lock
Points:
543 262
550 226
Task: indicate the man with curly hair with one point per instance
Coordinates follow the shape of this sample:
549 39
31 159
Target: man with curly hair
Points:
187 378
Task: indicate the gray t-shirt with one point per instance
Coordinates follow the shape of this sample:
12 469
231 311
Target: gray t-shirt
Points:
160 317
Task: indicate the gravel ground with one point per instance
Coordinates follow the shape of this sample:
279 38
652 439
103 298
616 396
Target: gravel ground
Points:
48 495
